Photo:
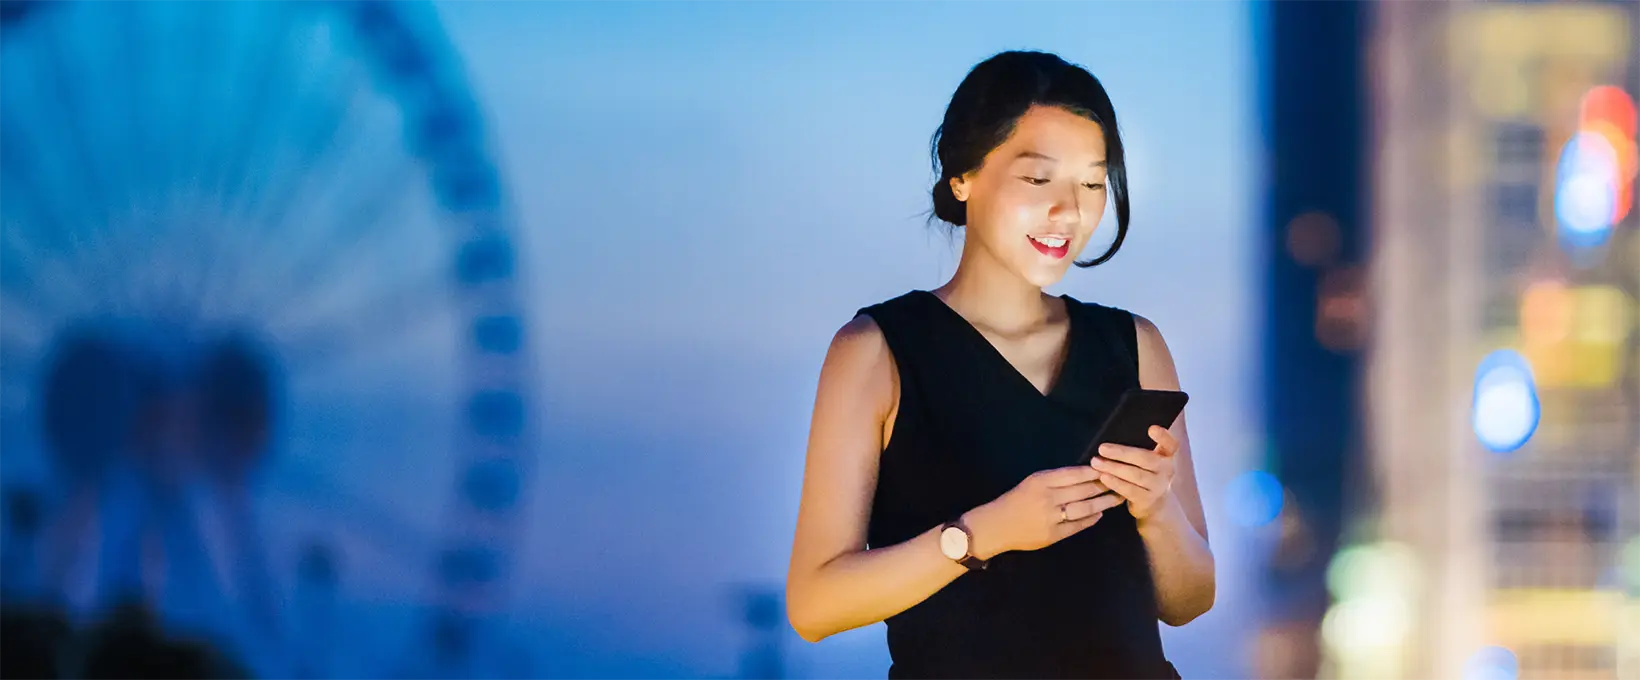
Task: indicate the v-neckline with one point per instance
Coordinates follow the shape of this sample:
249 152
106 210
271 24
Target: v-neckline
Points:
1056 381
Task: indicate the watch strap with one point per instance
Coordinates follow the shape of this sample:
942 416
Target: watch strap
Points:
968 559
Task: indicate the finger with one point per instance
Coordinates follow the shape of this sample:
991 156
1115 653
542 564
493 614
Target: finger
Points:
1077 492
1071 528
1070 476
1092 506
1125 488
1148 460
1166 443
1148 479
1107 501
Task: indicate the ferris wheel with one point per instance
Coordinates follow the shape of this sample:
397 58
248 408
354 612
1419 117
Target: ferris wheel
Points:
262 249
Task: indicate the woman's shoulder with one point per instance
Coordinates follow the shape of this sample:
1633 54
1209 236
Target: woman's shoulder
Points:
1144 331
898 302
1102 311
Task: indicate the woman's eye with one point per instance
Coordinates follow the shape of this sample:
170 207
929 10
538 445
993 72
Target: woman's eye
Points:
1095 186
1038 181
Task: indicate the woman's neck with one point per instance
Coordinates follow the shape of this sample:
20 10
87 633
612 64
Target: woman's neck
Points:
990 295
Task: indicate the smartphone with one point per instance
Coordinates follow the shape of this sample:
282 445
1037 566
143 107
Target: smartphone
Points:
1129 424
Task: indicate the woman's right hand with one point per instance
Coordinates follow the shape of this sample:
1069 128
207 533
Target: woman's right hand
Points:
1042 510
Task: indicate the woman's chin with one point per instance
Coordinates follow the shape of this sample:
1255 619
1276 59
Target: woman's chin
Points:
1043 277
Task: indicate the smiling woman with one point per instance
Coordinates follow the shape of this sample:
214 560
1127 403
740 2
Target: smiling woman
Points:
942 491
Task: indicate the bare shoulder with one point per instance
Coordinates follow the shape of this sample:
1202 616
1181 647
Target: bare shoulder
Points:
859 345
1156 367
1149 334
859 361
860 334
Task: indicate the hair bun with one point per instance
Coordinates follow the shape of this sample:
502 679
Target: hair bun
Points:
946 206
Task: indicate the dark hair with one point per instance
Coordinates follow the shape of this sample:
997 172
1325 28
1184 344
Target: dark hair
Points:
988 104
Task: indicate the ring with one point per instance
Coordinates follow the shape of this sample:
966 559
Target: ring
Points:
1063 517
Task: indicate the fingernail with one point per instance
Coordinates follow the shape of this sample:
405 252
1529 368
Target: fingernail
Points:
1106 448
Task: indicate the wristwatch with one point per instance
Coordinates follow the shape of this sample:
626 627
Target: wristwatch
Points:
957 544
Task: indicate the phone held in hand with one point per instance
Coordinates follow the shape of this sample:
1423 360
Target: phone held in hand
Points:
1130 422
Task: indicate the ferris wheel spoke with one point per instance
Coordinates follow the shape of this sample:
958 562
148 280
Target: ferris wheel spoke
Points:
123 76
37 182
319 331
68 108
204 40
342 367
338 363
318 143
367 222
317 125
259 41
278 214
131 62
248 131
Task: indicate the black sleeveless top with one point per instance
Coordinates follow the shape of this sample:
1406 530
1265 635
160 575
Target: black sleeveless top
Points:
969 428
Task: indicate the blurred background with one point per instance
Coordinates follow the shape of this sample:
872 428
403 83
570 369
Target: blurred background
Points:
370 339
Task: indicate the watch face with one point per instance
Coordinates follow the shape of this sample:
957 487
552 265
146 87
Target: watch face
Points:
954 543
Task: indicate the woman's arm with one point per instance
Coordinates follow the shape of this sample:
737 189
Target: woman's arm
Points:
833 583
1176 533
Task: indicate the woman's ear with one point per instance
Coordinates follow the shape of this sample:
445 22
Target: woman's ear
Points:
959 188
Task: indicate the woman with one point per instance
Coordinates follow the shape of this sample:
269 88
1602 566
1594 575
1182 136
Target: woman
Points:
948 423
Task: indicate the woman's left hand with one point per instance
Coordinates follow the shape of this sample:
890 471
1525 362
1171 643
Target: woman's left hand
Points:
1144 478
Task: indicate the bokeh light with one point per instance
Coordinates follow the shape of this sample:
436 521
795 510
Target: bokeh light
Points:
1377 624
1603 315
1506 407
1626 165
1378 570
1255 498
1629 564
1609 104
1492 663
1313 238
1586 191
1546 312
1375 587
1594 183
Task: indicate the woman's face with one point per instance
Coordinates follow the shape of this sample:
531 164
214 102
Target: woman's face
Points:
1034 202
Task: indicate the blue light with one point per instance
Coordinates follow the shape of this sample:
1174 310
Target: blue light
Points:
1505 410
1492 663
1586 191
1254 498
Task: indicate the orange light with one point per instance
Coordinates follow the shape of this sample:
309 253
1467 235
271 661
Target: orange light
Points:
1609 104
1546 313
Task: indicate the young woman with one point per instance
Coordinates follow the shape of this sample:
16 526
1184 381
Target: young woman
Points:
942 491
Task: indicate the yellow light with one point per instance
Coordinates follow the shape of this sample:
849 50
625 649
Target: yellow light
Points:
1604 315
1367 624
1584 351
1520 617
1495 43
